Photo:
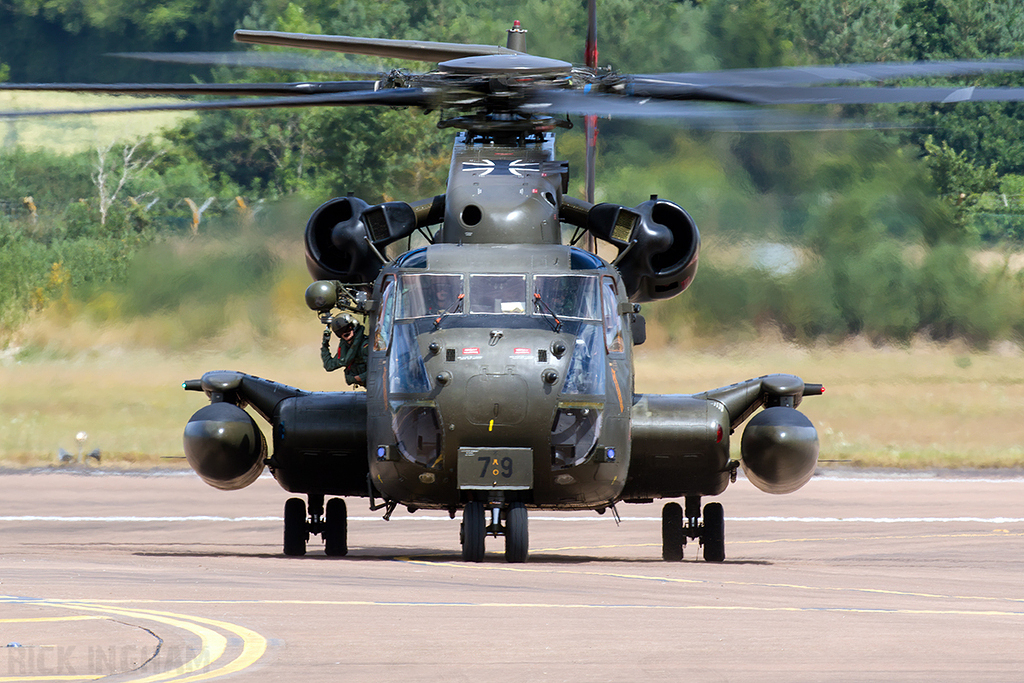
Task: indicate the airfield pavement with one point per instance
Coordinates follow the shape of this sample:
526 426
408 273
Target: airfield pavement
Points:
853 578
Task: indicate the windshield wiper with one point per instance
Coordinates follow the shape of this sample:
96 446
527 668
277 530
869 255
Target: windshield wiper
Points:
455 307
541 307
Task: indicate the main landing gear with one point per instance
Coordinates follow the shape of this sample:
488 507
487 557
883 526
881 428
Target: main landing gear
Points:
332 526
510 522
674 531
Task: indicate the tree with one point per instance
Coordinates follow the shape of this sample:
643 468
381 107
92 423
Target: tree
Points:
845 32
960 183
110 176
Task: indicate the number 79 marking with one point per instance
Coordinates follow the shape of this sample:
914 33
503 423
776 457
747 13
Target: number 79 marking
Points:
505 467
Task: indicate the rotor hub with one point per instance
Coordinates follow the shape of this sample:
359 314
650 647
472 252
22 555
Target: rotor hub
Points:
504 65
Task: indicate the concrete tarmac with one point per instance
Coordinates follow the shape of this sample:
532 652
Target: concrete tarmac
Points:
162 578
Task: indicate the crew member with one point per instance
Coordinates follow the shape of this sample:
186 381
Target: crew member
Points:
353 349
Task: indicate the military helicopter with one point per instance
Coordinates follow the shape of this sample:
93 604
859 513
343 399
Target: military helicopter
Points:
500 369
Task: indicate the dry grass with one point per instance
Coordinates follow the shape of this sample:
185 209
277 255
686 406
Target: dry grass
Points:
914 407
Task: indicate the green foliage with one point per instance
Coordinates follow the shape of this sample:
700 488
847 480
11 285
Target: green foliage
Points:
201 284
958 301
163 277
846 32
804 305
960 183
748 34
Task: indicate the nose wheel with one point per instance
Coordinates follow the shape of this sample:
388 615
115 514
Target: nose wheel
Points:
475 529
675 530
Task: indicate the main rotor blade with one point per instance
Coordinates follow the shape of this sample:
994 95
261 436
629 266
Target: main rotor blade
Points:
698 115
820 75
395 97
416 50
296 89
253 60
846 95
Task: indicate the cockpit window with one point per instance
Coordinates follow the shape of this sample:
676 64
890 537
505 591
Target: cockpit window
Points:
497 293
568 296
586 368
612 318
406 371
382 335
431 295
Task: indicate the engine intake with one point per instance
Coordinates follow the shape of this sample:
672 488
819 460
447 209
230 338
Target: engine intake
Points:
345 238
658 246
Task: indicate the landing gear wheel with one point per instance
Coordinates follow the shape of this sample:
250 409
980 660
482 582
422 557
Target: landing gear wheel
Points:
517 534
296 531
673 537
713 533
335 530
474 530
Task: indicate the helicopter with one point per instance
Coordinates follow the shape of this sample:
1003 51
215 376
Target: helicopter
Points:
500 366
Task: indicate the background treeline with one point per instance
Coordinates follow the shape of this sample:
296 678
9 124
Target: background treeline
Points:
821 234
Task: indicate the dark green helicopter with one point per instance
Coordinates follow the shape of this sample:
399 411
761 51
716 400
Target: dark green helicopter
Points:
500 370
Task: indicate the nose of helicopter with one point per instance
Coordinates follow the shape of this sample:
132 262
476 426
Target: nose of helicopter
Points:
495 387
496 400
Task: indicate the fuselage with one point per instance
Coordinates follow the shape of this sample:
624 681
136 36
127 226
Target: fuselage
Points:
499 370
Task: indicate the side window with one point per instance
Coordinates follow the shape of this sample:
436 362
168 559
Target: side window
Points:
386 317
612 320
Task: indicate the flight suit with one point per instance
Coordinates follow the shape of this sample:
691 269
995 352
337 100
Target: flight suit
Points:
352 355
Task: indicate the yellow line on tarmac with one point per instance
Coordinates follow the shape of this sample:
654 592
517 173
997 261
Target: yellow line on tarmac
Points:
213 643
253 647
756 584
26 620
213 646
637 606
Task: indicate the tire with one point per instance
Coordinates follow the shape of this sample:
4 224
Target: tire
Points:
296 531
335 530
672 537
517 534
474 530
713 533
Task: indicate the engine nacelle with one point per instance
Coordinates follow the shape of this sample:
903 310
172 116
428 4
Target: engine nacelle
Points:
320 443
224 446
345 238
658 246
779 450
680 446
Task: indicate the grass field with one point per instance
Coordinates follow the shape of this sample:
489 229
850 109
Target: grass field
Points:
916 407
67 134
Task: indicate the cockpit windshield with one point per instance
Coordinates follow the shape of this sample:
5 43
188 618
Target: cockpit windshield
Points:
433 295
497 293
568 296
